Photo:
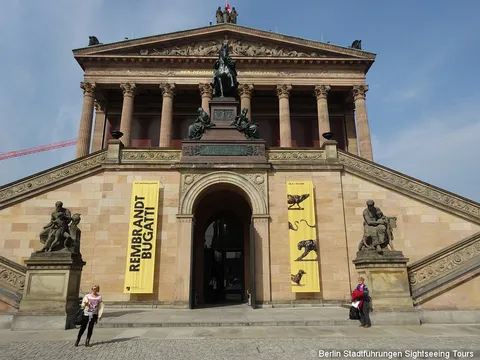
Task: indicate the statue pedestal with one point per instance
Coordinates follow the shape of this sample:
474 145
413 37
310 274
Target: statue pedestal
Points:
50 297
387 279
223 143
222 112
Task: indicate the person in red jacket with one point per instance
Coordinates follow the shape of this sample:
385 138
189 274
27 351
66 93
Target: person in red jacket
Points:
361 294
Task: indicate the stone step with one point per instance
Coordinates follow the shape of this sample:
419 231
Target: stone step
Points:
226 324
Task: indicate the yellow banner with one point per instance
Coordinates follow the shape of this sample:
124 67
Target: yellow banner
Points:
305 275
142 238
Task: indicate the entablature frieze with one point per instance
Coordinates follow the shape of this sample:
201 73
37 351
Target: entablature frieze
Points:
179 76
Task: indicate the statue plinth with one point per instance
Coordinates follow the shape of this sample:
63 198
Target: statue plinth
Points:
50 297
386 276
222 112
223 143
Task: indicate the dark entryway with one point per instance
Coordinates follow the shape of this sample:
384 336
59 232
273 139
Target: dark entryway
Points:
221 248
223 253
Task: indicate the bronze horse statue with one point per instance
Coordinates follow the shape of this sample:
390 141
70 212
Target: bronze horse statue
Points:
224 75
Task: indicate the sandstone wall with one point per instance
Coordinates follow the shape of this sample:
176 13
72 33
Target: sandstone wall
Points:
421 229
334 264
103 201
465 296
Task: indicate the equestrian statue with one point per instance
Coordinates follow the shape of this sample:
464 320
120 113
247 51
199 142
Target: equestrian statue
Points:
224 75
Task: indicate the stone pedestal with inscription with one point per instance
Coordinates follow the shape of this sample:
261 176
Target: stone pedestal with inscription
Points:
386 277
223 143
51 294
222 112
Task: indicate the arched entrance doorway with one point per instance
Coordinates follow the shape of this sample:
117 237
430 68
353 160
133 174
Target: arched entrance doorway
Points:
222 260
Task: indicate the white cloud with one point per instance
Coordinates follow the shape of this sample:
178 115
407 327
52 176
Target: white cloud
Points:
441 149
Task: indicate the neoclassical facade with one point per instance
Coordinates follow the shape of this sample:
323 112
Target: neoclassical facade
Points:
296 90
229 218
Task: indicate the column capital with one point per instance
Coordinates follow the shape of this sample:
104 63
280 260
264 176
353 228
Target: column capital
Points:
245 90
283 91
128 89
168 90
321 91
206 90
88 88
359 91
99 106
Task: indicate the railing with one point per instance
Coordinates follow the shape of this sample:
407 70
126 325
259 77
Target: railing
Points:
12 282
444 269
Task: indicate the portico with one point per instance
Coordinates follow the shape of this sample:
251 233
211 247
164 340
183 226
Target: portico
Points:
296 90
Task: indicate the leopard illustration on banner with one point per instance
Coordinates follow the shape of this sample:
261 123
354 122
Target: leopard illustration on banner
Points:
304 251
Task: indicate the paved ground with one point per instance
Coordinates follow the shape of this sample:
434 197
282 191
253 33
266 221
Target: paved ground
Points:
246 343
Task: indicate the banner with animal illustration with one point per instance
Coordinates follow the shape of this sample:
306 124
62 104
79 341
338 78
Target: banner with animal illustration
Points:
305 276
142 237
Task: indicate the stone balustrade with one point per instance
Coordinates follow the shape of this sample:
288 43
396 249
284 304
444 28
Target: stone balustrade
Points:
12 282
446 268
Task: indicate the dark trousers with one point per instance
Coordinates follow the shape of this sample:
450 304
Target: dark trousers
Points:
90 324
365 314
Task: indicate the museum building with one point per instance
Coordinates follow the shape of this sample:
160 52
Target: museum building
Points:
221 176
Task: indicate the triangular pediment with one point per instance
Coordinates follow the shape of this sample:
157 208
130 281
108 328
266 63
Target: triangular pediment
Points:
206 42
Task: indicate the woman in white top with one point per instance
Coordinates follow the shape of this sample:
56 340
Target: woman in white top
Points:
93 309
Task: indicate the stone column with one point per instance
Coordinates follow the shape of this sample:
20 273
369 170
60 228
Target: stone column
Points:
98 128
283 93
206 91
127 111
183 255
168 92
263 289
245 91
352 144
363 128
321 93
85 130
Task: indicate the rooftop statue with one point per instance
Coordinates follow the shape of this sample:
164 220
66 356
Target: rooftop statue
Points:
224 75
357 44
92 40
226 16
219 15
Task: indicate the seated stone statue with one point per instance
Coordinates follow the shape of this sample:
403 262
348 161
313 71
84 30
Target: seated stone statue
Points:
56 235
248 127
201 124
378 233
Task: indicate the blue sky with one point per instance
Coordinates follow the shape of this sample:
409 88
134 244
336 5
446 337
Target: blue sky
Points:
423 102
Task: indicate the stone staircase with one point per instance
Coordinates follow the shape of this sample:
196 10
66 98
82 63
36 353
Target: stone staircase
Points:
445 269
12 282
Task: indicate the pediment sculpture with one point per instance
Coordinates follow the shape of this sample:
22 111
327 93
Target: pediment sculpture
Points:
236 48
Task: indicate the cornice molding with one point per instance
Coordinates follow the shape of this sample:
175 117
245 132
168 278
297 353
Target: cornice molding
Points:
224 30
